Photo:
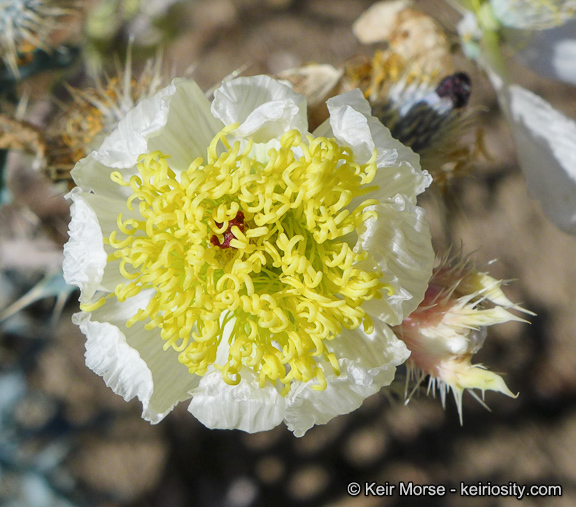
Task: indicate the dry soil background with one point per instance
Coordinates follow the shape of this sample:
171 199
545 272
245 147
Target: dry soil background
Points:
529 440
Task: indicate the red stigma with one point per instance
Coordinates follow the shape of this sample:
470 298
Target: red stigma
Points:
237 221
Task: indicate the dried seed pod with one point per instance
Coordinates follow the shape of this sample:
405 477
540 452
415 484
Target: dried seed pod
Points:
413 35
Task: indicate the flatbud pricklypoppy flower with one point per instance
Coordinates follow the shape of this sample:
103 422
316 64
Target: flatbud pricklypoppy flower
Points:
227 256
544 36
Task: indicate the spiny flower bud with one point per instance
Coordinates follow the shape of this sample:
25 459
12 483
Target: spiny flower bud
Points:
450 326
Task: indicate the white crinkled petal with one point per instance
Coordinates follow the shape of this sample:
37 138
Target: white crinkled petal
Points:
398 166
107 210
399 169
189 129
368 362
264 107
94 216
363 135
92 176
400 242
546 147
161 122
245 406
349 114
108 355
84 254
128 141
132 360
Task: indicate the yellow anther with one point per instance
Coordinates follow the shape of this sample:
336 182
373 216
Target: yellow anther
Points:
93 306
249 253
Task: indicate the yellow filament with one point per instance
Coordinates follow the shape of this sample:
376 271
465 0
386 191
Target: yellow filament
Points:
289 280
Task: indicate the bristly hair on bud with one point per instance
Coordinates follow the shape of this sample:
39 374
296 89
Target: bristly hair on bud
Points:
450 326
426 110
414 89
95 113
25 26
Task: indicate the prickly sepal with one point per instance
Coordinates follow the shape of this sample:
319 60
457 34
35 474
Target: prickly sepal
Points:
450 326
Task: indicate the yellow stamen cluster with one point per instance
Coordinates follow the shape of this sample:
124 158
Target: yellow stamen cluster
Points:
288 280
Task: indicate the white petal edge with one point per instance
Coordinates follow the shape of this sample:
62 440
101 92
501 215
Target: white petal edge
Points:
121 149
132 360
546 147
245 406
368 363
94 216
189 128
400 242
352 124
108 355
107 210
84 254
348 123
264 107
161 122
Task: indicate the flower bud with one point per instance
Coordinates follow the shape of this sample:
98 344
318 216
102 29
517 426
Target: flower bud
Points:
450 326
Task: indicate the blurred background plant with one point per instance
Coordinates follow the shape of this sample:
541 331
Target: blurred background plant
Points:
65 439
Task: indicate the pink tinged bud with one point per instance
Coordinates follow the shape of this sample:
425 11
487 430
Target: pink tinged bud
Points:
450 326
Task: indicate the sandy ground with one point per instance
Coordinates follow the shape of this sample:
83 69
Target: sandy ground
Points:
528 440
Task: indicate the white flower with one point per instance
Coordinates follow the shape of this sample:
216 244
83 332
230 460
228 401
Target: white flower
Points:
545 138
546 146
551 53
542 34
226 256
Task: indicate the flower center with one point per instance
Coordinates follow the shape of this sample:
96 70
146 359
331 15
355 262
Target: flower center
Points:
237 221
250 255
